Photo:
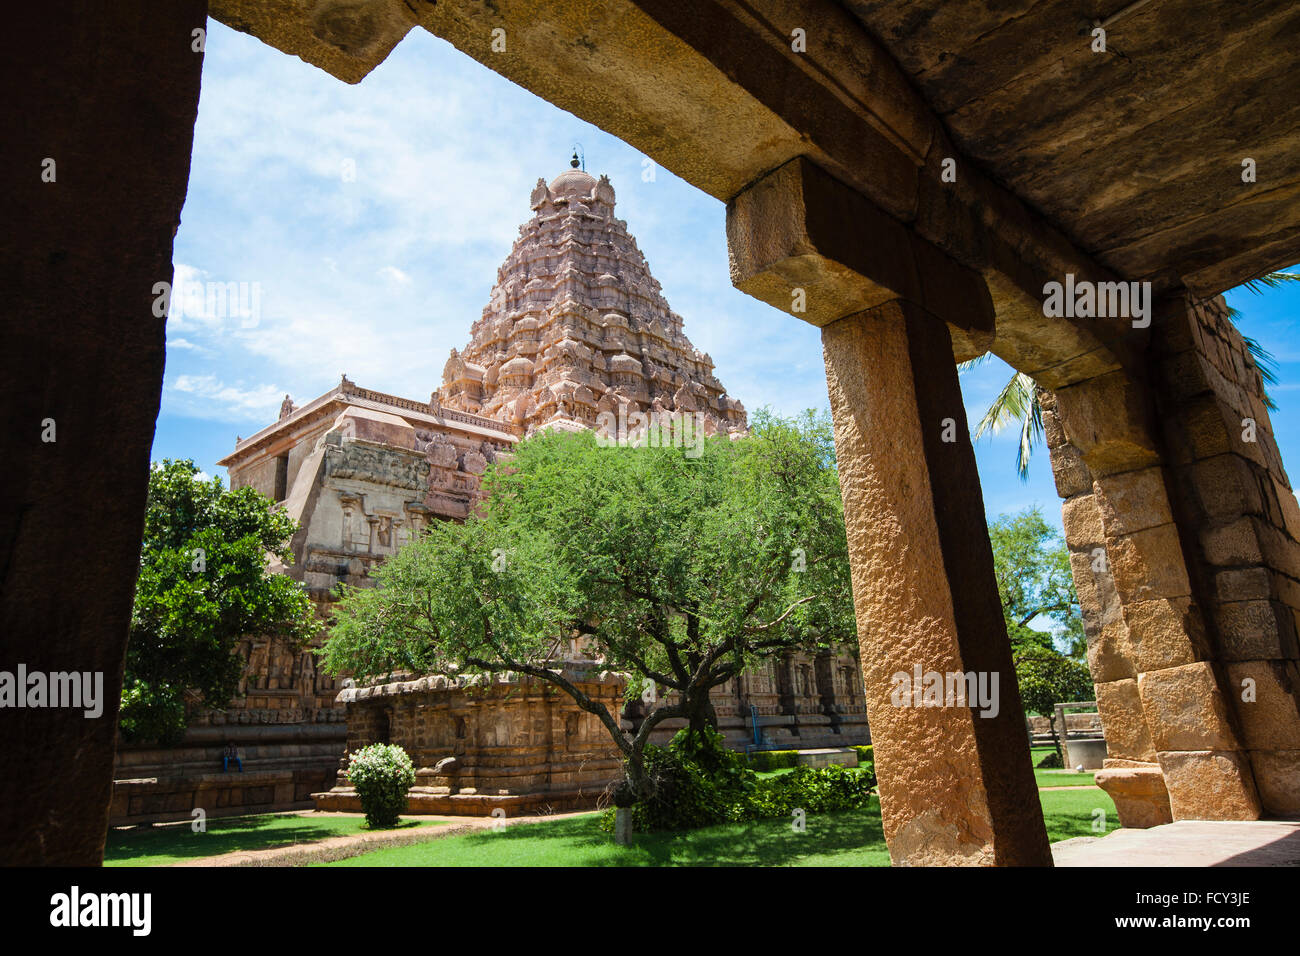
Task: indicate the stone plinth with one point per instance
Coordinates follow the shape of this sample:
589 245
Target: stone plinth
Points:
1139 792
283 765
513 742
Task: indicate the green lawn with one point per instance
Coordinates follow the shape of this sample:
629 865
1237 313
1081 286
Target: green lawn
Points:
1064 778
173 843
849 838
1070 813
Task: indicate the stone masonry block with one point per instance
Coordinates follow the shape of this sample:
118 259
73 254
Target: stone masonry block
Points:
1210 785
1290 507
1197 430
1069 471
1270 719
1277 776
1132 501
1225 486
1106 419
1120 706
1148 564
1256 630
1185 709
1165 632
1231 543
1139 792
1244 584
1082 523
1110 655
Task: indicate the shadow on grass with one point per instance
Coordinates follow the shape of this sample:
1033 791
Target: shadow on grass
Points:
227 835
846 838
1073 813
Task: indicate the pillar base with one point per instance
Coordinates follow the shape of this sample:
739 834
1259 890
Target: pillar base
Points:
1141 798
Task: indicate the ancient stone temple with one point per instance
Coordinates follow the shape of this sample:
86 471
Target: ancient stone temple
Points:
575 326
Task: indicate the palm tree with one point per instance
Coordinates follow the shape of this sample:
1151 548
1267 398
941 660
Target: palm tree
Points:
1019 400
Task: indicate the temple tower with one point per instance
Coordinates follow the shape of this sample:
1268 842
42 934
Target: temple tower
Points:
576 325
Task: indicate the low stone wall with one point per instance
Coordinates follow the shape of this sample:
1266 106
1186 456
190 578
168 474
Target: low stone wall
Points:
479 743
283 765
523 745
1075 724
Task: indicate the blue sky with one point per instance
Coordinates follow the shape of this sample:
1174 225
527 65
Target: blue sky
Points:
373 219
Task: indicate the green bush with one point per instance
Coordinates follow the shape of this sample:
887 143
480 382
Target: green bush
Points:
698 782
694 781
1051 762
813 791
765 760
865 754
381 773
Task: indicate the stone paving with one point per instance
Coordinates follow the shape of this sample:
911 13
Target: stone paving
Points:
1188 843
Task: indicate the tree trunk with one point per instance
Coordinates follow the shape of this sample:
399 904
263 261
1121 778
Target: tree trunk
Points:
1056 741
702 715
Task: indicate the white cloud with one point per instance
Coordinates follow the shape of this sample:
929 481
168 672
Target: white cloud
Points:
205 396
394 274
187 345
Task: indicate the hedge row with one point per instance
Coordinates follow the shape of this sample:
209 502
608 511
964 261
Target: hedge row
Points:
764 760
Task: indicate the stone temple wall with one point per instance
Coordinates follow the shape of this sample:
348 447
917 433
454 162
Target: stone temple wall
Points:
478 745
523 745
801 701
1184 535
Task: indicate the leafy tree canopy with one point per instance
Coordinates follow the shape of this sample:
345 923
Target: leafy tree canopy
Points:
680 569
1032 565
203 585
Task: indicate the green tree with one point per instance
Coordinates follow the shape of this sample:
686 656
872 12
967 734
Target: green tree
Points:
682 570
1046 679
203 585
1032 565
1019 401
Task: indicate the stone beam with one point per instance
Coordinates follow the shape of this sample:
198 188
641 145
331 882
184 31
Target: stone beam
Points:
807 244
110 99
956 785
345 38
687 83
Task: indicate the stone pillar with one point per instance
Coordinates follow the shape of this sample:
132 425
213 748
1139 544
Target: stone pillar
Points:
956 787
110 100
1159 686
1232 495
1131 774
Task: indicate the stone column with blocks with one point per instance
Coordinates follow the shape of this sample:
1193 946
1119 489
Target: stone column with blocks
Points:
1232 496
1172 735
956 782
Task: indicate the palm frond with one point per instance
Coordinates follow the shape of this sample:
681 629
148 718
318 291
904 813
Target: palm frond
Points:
1267 365
1031 430
1270 280
1013 403
971 363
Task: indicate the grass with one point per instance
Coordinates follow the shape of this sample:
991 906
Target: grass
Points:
1064 778
176 843
1059 777
1071 813
848 838
1044 778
